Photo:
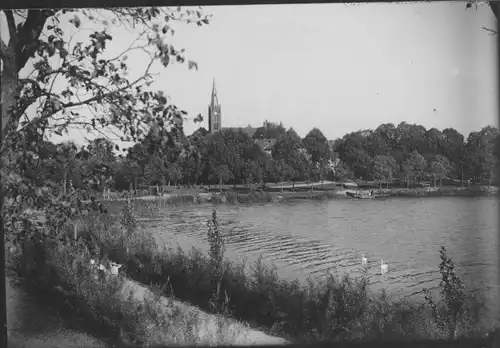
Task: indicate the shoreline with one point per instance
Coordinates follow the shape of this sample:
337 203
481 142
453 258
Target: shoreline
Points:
272 196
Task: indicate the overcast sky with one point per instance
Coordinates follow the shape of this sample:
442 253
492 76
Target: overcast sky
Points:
337 67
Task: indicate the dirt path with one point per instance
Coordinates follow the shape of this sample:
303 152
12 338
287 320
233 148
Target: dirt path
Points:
316 184
32 325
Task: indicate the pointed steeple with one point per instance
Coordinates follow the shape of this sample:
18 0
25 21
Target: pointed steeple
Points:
215 100
214 111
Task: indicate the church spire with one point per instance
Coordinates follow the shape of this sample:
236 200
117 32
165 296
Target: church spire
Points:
214 112
215 100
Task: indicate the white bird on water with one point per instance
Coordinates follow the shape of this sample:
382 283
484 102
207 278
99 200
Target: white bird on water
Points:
364 260
383 267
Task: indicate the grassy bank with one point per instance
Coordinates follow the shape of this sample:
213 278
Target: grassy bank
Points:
437 192
335 309
58 274
152 205
148 205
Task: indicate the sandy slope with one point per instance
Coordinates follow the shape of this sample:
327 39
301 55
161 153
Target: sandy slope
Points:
235 333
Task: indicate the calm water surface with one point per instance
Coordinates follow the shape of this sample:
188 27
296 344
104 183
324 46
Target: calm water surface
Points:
310 239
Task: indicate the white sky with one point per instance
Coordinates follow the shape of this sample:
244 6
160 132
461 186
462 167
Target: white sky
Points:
337 67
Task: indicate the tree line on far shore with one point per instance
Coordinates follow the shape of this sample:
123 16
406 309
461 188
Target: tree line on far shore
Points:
407 153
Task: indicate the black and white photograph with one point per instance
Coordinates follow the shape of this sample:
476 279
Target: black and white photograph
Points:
250 174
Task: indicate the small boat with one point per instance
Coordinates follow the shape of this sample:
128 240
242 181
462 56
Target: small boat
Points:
359 195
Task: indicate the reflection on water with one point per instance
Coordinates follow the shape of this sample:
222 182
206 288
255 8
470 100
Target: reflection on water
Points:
309 239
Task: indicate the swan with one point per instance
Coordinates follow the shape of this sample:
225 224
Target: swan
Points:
383 267
364 260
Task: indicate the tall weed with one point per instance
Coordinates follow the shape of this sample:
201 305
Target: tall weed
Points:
452 313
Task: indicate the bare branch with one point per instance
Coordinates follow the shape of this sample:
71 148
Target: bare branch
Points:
12 28
96 98
131 48
491 31
20 14
103 95
53 82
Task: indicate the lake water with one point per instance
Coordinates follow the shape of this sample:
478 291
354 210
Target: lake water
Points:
310 238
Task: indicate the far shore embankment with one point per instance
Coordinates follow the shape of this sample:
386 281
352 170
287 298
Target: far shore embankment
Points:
277 193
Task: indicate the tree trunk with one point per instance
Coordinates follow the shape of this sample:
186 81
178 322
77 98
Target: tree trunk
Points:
12 62
408 183
10 90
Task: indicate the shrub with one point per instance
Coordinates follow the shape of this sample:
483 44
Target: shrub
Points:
215 241
456 309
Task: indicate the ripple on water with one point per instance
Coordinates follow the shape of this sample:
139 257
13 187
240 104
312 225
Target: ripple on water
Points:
310 238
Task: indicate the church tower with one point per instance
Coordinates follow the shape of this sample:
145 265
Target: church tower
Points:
214 112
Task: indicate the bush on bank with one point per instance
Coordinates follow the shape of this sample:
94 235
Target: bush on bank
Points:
333 309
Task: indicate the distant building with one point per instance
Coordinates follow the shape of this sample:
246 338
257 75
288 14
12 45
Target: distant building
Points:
215 124
214 112
248 130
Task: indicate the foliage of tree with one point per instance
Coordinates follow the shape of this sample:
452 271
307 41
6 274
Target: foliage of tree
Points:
97 95
439 167
234 158
384 168
413 167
